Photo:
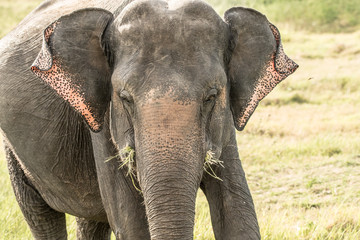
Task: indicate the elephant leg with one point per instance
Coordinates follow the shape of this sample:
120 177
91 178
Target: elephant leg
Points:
44 222
231 206
92 230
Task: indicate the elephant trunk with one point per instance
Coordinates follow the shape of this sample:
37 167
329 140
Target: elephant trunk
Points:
169 160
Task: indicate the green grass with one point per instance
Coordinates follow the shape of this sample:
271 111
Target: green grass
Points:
300 149
12 222
313 15
13 11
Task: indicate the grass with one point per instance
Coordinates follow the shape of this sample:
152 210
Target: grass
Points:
13 11
313 15
300 149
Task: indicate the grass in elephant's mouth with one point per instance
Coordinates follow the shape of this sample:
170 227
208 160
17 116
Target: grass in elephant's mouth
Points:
126 157
211 161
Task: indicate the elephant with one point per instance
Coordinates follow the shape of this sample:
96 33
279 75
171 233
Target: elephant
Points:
85 84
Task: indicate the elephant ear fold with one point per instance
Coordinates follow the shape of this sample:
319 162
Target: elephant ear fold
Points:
258 62
73 63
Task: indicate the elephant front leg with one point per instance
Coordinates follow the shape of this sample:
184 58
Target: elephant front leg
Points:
231 206
43 221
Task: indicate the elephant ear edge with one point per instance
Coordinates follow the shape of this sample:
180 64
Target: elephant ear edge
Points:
284 66
72 62
254 35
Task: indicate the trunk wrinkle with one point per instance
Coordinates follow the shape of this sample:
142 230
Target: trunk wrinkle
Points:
170 156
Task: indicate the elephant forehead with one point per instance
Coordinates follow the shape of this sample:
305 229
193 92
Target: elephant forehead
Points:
167 110
148 9
170 22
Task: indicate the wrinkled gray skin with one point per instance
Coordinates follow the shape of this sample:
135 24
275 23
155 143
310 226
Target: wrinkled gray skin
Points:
156 76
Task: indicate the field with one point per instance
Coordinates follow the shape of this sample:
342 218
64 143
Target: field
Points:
301 148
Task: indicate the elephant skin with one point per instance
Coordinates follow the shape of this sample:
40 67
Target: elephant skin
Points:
171 80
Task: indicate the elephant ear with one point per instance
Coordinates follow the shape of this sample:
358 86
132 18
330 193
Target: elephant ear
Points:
73 63
258 62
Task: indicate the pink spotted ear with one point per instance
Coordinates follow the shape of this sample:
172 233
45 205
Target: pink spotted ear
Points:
258 61
72 62
283 65
49 69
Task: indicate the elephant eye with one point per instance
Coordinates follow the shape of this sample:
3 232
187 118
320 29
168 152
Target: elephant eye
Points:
211 95
125 96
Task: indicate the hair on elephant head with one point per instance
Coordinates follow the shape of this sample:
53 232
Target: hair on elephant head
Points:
175 78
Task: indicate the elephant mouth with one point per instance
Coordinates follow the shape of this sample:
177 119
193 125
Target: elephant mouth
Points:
127 161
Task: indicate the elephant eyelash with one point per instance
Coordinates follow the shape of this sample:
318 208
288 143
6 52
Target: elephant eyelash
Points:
211 95
210 98
125 96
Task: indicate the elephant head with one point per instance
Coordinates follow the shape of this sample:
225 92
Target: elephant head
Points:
175 79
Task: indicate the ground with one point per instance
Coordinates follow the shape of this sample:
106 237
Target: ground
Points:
300 149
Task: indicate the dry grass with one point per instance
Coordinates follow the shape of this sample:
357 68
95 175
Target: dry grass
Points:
300 150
